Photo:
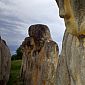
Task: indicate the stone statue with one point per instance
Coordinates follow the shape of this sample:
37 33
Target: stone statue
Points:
73 12
40 57
5 62
71 65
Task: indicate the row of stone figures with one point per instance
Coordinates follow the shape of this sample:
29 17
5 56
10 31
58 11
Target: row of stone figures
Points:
40 57
43 52
40 63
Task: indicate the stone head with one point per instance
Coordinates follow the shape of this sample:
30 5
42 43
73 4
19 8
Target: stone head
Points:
73 12
40 34
28 44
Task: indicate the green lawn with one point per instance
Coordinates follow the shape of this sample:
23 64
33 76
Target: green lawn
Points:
15 73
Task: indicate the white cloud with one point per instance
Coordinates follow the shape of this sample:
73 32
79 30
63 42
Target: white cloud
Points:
17 15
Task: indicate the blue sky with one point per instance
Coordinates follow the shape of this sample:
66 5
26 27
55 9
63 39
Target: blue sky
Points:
17 15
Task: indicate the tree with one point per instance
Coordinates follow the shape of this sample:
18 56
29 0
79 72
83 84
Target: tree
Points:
18 54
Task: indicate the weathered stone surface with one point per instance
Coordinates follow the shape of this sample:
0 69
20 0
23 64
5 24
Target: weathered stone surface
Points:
40 34
71 64
40 57
5 62
73 12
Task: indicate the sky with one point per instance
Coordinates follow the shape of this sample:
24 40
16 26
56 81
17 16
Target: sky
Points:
17 15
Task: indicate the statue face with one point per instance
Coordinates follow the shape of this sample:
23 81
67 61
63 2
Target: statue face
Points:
40 34
73 12
28 43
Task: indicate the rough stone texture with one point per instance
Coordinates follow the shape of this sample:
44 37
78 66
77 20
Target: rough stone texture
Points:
73 12
71 64
5 62
40 57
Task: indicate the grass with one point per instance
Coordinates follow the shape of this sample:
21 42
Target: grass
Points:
15 73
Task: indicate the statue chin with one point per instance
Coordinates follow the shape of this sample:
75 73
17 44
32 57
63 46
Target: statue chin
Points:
73 28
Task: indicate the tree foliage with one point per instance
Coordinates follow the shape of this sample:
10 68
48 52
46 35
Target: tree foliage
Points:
18 54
